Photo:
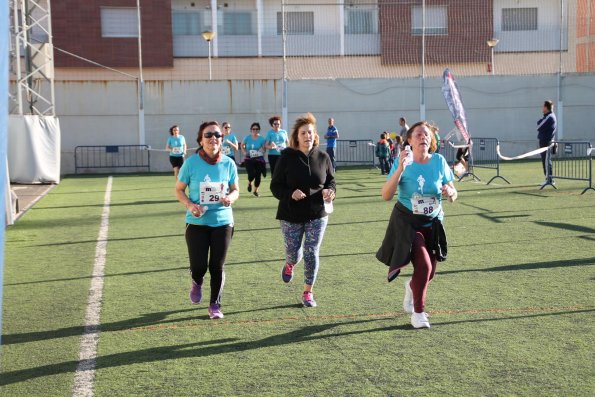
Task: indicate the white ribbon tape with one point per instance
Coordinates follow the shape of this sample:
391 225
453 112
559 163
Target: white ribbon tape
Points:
522 156
459 146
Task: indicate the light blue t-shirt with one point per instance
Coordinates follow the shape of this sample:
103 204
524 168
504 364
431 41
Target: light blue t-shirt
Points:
423 180
176 143
255 147
227 149
278 138
206 184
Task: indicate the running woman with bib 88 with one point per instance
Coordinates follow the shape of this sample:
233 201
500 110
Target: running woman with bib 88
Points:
415 233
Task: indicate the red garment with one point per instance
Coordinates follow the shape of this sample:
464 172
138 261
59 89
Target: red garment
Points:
203 155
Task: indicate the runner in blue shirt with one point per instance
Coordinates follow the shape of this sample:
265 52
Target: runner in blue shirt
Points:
415 232
211 180
254 147
176 146
276 141
332 134
230 142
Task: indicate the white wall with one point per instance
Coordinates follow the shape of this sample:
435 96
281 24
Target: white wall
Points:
547 35
503 107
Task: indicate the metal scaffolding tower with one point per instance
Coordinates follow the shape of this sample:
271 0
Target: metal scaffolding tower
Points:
31 58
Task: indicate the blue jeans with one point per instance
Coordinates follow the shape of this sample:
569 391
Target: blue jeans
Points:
331 151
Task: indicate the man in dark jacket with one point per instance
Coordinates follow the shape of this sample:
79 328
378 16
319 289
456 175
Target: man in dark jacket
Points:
546 128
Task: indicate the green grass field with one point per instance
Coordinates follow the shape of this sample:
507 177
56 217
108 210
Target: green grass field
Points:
512 309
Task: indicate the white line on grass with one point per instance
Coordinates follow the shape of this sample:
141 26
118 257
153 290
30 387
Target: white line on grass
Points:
85 370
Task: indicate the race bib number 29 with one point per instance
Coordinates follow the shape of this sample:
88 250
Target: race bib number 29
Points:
211 192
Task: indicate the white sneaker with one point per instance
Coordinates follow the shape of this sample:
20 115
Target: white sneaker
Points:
420 320
408 299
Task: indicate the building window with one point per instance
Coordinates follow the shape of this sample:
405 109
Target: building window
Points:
119 22
296 23
436 20
237 23
360 22
515 19
190 23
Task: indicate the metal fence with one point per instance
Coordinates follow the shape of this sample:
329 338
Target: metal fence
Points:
483 154
355 152
112 157
572 161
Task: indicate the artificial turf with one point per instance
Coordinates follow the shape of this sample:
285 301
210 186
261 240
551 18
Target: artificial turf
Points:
511 309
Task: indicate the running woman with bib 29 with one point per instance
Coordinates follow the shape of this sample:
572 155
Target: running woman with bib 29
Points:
212 182
415 233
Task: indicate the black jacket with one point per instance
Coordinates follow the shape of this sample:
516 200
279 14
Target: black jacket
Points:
395 250
546 128
310 174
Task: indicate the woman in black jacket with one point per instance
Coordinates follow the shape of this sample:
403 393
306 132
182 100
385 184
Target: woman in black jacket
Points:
302 182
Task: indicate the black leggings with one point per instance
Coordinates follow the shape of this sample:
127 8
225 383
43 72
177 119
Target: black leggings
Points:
255 170
200 239
272 162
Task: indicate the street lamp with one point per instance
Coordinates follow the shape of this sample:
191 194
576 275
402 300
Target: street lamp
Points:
492 43
209 36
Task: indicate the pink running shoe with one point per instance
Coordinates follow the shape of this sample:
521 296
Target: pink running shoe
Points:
308 299
287 272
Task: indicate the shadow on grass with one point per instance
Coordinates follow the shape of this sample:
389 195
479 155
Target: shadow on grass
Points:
479 320
230 345
146 320
567 226
144 202
527 266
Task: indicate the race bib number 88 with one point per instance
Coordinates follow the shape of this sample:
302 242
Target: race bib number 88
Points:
211 192
424 205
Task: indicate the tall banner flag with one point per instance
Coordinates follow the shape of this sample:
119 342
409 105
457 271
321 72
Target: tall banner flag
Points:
455 105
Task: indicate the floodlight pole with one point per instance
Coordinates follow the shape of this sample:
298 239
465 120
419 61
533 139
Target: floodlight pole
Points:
492 43
422 83
284 111
141 81
208 36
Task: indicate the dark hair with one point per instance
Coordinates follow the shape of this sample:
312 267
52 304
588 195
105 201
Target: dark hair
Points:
273 119
549 105
202 128
255 124
432 128
403 120
383 135
301 121
225 123
171 129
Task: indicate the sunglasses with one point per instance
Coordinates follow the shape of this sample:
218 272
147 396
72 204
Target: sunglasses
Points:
227 127
255 129
210 134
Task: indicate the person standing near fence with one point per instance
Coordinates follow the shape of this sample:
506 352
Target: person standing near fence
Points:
332 134
546 133
404 127
254 147
415 233
276 141
230 142
212 182
383 151
176 146
303 182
